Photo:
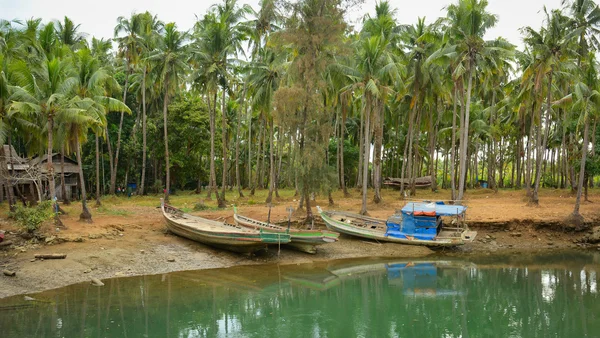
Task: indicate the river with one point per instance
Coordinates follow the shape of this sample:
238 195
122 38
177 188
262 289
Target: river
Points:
549 295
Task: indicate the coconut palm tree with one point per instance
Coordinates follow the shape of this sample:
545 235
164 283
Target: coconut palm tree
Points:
130 49
552 49
45 92
170 60
586 99
68 34
374 72
468 21
219 36
94 82
264 80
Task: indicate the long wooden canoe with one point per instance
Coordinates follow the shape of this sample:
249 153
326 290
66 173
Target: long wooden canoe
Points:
302 239
374 228
219 234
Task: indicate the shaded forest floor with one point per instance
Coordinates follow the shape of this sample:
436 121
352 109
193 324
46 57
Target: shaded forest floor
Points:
128 235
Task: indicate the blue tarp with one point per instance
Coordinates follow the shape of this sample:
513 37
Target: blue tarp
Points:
440 209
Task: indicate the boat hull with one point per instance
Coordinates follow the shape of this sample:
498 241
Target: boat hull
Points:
227 237
376 233
302 240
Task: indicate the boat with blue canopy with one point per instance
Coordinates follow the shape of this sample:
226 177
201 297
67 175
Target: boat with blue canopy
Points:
418 223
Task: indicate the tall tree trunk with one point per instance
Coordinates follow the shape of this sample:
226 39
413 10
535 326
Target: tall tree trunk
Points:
261 172
584 150
144 142
238 181
113 173
166 135
416 169
378 135
465 136
529 169
491 154
272 163
51 183
85 215
406 161
249 149
9 175
63 187
366 143
224 143
542 145
8 183
110 154
212 178
98 203
342 170
361 147
279 165
258 153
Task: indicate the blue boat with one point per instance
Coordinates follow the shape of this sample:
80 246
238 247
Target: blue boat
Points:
418 223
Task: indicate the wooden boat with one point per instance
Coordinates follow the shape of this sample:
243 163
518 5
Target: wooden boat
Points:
417 224
302 239
219 234
420 182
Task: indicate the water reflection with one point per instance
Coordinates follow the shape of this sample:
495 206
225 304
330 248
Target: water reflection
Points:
542 296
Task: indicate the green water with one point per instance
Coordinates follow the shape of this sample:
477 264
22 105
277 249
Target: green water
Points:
522 296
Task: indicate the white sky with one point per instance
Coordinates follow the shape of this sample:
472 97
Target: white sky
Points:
98 18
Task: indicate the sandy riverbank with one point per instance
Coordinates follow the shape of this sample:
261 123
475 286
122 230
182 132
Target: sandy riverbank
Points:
128 237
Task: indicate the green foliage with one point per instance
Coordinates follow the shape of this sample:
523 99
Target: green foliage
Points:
200 206
30 217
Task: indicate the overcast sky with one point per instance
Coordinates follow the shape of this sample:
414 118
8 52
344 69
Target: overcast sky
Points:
98 17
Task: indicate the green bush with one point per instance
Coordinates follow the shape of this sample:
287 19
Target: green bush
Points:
200 206
31 218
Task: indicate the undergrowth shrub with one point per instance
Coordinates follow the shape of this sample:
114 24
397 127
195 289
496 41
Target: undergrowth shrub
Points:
31 218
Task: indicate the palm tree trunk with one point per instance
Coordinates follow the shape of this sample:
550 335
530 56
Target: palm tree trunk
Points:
212 179
113 173
98 203
272 163
258 156
261 172
63 187
584 150
249 164
366 142
491 155
378 131
542 145
361 147
9 189
465 136
51 183
342 171
406 162
166 136
529 169
415 168
224 143
279 165
85 216
238 181
144 142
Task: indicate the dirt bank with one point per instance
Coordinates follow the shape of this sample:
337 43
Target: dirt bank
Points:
128 237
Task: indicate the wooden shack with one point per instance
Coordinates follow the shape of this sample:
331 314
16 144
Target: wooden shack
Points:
28 177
